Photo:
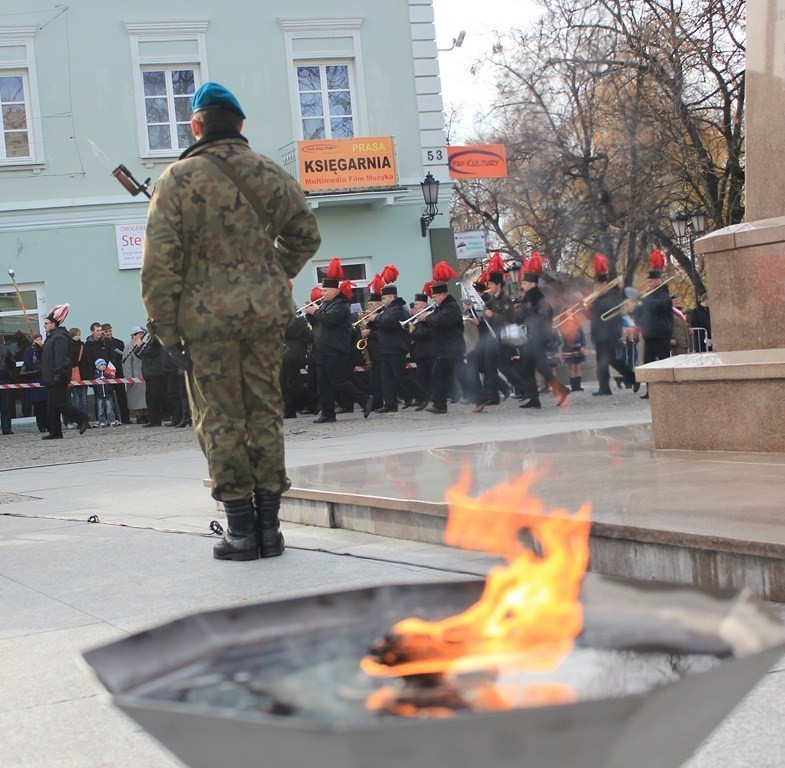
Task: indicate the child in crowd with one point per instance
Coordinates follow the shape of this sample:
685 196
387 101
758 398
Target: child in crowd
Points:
103 394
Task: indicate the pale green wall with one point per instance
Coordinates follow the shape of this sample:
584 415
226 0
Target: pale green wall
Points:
83 61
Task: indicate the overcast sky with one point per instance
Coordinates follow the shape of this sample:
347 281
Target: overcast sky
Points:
479 19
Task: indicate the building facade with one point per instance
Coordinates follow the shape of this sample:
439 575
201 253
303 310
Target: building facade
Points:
89 86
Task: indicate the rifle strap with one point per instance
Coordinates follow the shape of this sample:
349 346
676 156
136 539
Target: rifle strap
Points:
242 185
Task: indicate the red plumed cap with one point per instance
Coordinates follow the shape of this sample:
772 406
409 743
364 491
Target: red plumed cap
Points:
390 274
600 265
442 272
534 264
376 285
427 289
335 269
316 293
657 259
496 263
346 288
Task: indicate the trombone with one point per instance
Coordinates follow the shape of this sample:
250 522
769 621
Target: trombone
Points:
301 310
619 308
413 318
585 302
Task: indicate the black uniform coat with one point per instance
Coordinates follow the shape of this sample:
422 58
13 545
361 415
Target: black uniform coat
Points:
56 357
393 337
606 330
538 319
446 324
332 330
655 315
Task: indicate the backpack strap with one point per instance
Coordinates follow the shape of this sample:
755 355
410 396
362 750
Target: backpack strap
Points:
242 185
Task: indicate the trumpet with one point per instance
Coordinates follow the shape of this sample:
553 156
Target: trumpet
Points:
585 302
301 310
413 318
619 308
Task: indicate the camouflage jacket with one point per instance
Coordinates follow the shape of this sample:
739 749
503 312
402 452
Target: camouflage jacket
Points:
210 268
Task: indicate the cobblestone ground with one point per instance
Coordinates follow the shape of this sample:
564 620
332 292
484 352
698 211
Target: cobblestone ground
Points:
25 449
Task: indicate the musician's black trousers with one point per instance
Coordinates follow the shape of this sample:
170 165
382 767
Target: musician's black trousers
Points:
656 349
534 359
334 376
606 356
396 382
443 379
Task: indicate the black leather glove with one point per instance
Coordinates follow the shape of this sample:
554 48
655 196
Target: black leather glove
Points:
181 359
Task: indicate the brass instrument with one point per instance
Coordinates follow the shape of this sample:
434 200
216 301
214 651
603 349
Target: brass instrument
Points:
362 343
638 300
413 318
301 310
585 302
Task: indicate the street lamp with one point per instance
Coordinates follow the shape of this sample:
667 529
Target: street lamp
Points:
430 193
689 226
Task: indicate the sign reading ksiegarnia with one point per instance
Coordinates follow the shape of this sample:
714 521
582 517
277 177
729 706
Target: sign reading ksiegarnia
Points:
360 163
129 245
470 244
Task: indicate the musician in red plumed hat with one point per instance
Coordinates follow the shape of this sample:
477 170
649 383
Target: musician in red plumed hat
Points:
654 315
538 318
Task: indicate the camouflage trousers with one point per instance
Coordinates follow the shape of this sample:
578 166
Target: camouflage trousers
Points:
237 410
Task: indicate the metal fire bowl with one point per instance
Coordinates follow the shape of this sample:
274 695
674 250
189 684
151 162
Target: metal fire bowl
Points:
657 729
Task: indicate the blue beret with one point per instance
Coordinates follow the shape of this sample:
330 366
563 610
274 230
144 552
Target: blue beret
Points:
214 95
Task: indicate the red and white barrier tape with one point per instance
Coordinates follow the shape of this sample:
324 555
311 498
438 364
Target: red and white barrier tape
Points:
82 383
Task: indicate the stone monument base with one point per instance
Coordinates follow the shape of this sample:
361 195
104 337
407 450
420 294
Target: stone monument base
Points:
718 401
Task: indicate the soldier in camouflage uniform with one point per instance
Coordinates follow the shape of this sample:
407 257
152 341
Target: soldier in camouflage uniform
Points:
227 228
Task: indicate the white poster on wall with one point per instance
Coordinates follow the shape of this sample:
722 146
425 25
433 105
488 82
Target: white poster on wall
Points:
129 245
470 244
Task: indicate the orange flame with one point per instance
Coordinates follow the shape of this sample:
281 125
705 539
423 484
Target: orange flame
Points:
529 613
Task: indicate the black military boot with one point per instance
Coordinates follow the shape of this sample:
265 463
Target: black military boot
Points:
240 541
271 543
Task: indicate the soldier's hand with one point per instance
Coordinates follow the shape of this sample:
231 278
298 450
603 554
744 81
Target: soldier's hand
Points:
181 359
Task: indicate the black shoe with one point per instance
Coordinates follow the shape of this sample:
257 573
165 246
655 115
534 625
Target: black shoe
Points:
290 415
152 424
8 433
185 422
602 392
422 405
636 386
386 410
531 404
645 397
271 541
52 437
407 403
434 409
481 406
367 406
84 426
324 420
345 410
240 541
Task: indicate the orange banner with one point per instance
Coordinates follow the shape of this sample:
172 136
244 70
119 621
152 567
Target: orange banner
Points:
484 161
347 163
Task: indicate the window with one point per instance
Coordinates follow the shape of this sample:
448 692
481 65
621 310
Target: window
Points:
19 114
167 105
327 87
169 61
325 99
356 271
14 328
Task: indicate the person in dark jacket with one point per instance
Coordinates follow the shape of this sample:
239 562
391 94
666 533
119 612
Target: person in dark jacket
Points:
654 315
606 334
31 374
297 339
394 344
421 350
56 364
116 348
447 343
7 369
332 339
700 322
538 319
152 356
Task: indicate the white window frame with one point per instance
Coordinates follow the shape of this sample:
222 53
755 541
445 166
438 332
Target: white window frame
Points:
364 261
34 315
22 37
309 34
324 92
195 32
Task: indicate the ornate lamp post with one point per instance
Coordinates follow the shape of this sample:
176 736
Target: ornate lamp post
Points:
688 226
430 193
